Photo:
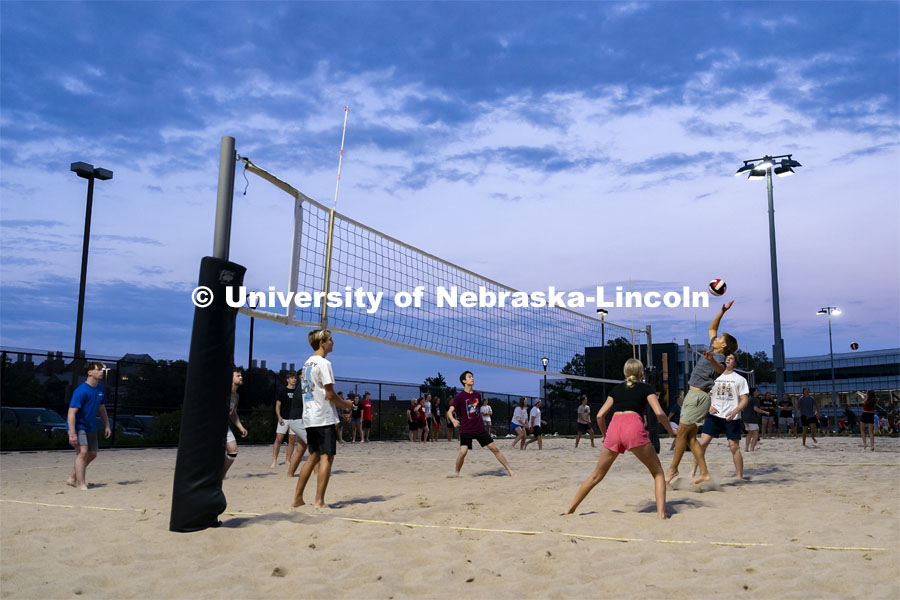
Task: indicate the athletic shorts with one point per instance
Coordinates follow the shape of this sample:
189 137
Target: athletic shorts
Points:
229 436
625 432
715 426
867 418
484 438
695 408
281 428
515 426
584 428
807 421
296 429
367 424
752 426
413 425
90 439
674 426
786 420
536 430
354 420
436 425
487 423
322 440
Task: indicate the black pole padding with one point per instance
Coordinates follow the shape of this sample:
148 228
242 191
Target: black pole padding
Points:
197 496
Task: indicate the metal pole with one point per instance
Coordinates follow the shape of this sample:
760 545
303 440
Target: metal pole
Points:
327 282
831 352
250 357
84 260
225 199
778 347
603 356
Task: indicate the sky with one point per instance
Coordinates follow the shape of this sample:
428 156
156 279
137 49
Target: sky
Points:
537 144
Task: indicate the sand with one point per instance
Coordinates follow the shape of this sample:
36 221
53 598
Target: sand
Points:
400 528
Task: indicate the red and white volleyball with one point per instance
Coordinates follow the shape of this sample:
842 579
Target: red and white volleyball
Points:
854 346
717 287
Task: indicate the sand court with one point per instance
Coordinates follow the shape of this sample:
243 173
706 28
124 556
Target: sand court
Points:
812 522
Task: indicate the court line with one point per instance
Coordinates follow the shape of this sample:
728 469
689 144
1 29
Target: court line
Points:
480 529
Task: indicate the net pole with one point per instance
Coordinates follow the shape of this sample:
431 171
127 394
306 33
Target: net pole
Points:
337 185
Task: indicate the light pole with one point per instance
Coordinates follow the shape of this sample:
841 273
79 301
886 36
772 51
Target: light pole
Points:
759 168
252 303
545 361
603 312
86 171
831 310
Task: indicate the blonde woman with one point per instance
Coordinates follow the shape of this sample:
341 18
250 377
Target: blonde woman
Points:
626 432
520 423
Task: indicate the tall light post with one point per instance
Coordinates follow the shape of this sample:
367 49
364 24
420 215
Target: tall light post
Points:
603 312
759 168
545 361
831 310
252 303
86 171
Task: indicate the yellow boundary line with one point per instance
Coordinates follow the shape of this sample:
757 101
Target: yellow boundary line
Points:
480 529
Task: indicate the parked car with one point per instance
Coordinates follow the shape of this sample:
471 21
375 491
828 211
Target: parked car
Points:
40 419
139 423
127 424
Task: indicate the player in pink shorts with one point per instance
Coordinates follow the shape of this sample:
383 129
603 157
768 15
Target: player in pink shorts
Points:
626 432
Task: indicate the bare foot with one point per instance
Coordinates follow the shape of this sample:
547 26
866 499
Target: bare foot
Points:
701 478
663 517
70 482
296 504
321 506
670 475
83 487
272 466
511 474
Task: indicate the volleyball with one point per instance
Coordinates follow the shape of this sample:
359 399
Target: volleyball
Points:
854 346
717 287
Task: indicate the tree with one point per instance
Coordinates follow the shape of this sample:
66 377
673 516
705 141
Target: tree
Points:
763 368
437 387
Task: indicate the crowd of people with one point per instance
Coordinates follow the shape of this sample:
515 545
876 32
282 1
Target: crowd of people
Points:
312 415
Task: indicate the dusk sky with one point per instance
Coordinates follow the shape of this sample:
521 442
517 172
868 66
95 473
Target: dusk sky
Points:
537 144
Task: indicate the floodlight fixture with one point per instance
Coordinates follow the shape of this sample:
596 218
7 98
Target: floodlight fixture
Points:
745 169
784 171
767 163
757 174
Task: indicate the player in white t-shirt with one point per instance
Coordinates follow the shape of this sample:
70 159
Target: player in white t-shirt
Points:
535 422
729 396
320 413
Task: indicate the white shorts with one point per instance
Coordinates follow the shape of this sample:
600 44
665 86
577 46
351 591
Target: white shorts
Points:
297 429
752 427
229 437
674 425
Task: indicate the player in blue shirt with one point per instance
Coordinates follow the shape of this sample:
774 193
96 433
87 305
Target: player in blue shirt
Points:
87 400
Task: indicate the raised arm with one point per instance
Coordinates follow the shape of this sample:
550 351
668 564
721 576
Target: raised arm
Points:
714 325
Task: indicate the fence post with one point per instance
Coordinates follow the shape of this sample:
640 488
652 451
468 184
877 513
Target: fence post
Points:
115 406
379 413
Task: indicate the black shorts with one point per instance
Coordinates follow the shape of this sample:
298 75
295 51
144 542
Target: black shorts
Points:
322 440
484 438
867 418
367 424
584 428
536 430
807 421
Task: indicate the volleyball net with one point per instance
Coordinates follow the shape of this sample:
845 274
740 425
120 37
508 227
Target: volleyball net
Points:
334 253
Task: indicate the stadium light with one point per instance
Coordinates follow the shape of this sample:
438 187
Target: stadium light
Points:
85 171
762 168
831 310
545 361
